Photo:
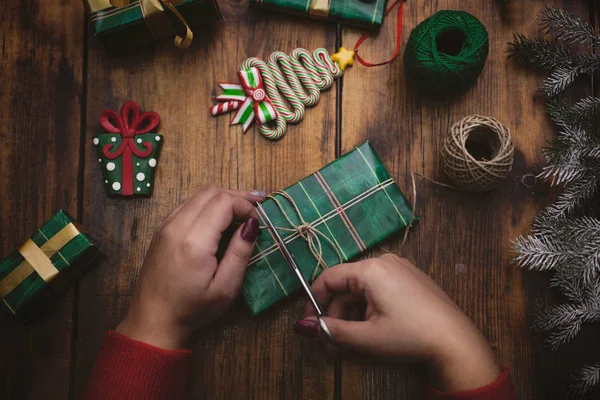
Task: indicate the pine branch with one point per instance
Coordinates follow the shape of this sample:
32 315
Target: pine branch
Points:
569 286
570 155
564 321
567 27
539 53
586 379
561 77
559 112
563 335
579 114
559 80
577 193
539 253
569 246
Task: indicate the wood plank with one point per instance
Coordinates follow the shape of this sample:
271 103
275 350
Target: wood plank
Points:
238 357
40 111
470 234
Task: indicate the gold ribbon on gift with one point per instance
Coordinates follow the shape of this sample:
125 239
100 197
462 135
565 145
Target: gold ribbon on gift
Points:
319 8
154 15
37 259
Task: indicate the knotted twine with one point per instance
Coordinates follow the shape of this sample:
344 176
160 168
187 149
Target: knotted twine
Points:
307 231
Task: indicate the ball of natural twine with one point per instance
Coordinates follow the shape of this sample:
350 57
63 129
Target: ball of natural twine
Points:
478 153
446 52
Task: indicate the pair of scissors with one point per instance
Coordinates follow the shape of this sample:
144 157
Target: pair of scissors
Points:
291 262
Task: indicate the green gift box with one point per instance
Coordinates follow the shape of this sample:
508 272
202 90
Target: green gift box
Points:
332 215
57 253
364 14
143 21
128 154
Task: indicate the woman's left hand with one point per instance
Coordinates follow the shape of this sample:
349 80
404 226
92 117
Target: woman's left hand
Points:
182 286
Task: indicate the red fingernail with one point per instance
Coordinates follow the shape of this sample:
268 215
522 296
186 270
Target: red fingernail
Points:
307 328
250 230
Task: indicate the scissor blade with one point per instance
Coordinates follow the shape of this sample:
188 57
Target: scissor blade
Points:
290 260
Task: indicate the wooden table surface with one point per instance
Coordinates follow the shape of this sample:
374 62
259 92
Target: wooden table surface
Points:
56 80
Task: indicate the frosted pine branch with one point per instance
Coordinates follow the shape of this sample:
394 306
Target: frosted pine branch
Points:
563 239
567 27
586 379
577 194
539 53
539 253
570 246
559 80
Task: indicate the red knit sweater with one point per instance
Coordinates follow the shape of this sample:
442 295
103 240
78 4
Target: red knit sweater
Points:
128 369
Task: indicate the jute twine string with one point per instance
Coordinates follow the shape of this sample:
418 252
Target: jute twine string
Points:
307 231
467 172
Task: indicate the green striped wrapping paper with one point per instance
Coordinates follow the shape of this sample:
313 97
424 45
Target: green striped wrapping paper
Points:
33 295
122 28
353 201
364 14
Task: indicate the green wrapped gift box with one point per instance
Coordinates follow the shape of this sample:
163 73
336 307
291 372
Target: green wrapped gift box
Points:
361 13
57 253
353 203
144 21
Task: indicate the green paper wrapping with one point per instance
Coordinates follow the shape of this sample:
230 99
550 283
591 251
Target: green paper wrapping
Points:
364 14
353 201
122 28
72 260
143 168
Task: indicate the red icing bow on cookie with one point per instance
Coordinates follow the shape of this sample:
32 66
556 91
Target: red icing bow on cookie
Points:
129 124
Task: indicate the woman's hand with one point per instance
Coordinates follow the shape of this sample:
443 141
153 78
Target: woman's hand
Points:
182 287
407 317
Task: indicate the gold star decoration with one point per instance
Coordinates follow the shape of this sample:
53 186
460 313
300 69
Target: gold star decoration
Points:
344 58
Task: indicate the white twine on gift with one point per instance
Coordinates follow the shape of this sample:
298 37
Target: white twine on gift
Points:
307 231
324 218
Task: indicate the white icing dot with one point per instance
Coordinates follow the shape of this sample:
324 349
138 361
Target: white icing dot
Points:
106 181
96 141
113 139
111 166
140 176
157 138
139 140
99 160
138 189
147 184
137 164
152 162
116 186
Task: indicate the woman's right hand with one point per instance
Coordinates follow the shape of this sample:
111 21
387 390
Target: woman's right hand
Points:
407 317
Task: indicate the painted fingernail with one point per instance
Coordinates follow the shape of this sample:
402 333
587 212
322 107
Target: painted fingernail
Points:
250 230
258 193
307 328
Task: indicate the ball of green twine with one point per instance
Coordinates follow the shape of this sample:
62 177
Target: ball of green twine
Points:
446 52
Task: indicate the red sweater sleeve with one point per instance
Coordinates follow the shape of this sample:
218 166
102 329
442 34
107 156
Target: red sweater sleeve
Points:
502 389
128 369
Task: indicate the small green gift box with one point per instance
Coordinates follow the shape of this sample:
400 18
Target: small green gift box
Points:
122 24
325 219
57 253
361 13
128 153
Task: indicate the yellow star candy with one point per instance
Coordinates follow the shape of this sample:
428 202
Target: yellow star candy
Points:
344 58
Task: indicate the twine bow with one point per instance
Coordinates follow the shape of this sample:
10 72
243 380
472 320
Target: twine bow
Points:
307 231
255 102
153 13
115 123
